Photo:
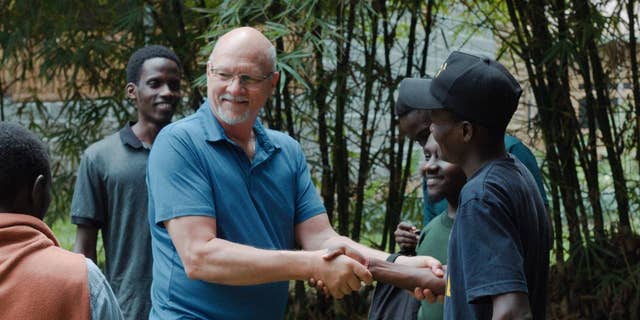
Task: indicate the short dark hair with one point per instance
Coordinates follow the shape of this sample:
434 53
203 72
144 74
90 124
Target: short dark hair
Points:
22 158
143 54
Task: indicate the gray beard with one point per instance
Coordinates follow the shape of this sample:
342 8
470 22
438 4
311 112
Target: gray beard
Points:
231 120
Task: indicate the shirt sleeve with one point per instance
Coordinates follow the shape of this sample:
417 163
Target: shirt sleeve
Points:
490 251
308 203
177 179
88 203
103 302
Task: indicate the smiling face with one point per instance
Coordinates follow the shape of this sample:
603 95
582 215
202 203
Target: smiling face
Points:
241 76
444 179
157 92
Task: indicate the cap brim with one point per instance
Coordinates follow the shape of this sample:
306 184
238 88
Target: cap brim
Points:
415 93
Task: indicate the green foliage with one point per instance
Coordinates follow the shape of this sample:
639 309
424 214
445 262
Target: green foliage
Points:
328 100
80 50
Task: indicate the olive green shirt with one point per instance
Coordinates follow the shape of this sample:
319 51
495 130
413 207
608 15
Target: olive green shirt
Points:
433 242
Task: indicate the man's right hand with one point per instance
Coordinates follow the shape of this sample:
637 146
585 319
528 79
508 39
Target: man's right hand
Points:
339 274
406 236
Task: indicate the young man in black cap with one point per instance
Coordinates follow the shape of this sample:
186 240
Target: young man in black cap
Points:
414 121
499 246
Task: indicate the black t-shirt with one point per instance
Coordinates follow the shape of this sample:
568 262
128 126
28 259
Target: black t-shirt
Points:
499 242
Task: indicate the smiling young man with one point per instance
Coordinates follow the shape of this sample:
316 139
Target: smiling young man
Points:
445 181
111 192
498 262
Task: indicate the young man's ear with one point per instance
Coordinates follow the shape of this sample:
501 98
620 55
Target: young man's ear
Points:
40 196
130 89
467 131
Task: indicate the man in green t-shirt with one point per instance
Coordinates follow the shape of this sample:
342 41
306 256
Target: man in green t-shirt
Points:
444 181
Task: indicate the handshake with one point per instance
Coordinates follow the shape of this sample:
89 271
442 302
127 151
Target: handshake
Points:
343 269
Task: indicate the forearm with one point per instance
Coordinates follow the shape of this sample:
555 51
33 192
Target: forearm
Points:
85 243
511 306
87 251
316 233
406 277
225 262
369 253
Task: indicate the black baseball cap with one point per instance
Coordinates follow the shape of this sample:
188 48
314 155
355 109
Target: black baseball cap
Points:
477 89
411 95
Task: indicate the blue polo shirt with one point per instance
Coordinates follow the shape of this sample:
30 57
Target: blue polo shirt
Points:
194 169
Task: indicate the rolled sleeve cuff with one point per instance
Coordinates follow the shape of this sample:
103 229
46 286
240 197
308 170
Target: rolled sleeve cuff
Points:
309 213
479 294
83 221
177 212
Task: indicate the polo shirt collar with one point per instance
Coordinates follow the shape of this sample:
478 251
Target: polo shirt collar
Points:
215 132
128 137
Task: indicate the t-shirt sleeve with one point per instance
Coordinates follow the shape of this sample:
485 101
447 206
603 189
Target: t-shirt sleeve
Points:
88 202
308 202
177 180
489 251
103 302
527 158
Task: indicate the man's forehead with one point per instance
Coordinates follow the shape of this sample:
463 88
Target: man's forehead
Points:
159 64
232 62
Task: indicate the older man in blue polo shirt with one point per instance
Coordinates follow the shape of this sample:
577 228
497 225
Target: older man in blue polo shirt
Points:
229 201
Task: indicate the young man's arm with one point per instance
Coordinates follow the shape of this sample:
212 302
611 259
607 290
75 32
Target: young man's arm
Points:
86 239
513 305
212 259
406 277
316 233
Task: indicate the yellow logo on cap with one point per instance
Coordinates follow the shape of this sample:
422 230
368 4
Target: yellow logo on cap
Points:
442 67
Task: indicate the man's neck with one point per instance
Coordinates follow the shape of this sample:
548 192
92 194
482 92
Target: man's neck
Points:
478 156
242 134
147 131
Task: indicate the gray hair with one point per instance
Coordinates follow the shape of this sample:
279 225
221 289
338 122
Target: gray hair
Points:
272 56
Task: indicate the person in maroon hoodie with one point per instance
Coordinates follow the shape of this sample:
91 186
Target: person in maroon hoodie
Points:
38 279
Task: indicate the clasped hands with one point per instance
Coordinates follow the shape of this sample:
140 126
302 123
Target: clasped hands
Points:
421 274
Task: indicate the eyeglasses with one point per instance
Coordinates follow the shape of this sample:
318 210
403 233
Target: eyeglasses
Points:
245 79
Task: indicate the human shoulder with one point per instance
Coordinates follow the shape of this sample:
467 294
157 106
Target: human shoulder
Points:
488 183
520 151
94 275
179 135
184 127
435 222
104 304
511 141
287 145
102 146
281 139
